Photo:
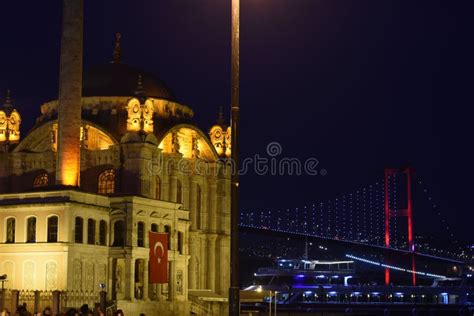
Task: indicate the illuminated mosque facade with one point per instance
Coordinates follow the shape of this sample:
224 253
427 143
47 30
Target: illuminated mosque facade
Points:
115 157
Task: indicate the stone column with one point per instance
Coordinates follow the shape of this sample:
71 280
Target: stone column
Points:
205 207
129 278
223 275
15 296
146 296
220 204
211 261
159 289
192 261
165 187
146 240
85 236
193 203
97 232
130 233
112 278
68 156
171 282
212 204
185 192
203 259
173 186
223 202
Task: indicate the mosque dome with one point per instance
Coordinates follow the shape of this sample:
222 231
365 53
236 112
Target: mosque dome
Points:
118 99
117 79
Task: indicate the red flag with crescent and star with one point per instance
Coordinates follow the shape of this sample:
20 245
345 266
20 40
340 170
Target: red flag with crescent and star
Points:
158 257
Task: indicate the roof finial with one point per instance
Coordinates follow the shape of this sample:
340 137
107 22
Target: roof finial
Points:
117 56
139 83
8 100
139 91
220 117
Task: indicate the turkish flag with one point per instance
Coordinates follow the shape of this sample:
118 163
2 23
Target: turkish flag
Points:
158 257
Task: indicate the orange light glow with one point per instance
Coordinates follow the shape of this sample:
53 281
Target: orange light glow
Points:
70 169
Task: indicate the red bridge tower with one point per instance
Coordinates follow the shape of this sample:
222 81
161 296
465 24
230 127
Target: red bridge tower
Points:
407 212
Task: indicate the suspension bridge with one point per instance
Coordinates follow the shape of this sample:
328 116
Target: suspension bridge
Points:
379 215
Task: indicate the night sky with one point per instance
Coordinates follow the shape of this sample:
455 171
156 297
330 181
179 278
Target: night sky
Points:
359 85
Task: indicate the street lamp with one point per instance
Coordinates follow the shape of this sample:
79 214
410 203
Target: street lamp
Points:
234 290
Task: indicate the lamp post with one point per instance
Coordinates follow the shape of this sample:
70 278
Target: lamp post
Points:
234 290
276 301
270 304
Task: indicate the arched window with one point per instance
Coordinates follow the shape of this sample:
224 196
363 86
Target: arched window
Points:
168 231
198 206
179 192
103 232
154 228
141 234
11 227
106 184
31 229
91 231
41 180
78 230
53 229
119 238
180 242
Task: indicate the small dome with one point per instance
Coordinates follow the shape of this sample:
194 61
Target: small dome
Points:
116 79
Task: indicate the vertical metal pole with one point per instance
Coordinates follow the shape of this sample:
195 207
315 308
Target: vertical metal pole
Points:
56 303
37 302
275 303
270 305
234 291
103 300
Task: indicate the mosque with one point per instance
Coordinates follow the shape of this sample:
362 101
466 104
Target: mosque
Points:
115 158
